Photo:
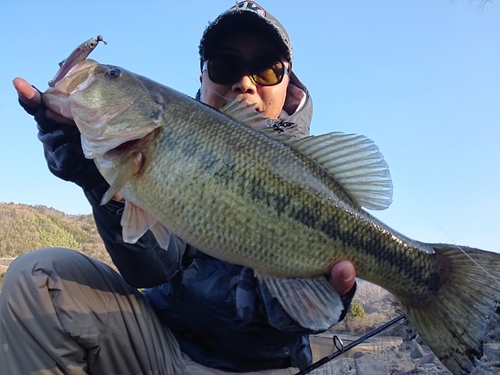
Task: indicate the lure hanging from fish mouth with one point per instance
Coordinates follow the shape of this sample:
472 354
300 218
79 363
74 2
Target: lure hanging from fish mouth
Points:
79 54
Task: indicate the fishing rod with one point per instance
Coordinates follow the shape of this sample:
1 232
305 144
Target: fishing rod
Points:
341 349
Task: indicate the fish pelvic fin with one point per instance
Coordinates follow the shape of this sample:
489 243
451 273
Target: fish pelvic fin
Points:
135 222
455 323
313 303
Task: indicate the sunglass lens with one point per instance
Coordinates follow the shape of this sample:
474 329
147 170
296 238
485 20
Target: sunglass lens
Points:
225 70
269 73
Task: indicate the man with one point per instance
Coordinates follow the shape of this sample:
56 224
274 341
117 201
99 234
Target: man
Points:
62 312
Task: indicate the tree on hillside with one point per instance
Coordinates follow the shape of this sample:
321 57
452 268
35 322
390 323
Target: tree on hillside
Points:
2 276
356 311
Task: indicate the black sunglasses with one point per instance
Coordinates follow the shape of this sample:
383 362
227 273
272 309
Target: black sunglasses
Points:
229 69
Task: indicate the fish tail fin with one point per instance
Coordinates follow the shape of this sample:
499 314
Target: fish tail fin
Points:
455 323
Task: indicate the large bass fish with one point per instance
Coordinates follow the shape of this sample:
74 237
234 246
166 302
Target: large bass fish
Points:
233 187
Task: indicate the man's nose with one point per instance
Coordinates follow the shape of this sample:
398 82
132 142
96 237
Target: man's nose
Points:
244 85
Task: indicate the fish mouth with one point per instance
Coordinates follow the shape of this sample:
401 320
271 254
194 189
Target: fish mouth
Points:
80 66
122 149
63 72
112 146
135 144
76 78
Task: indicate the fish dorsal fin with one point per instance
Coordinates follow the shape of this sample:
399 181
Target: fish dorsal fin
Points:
246 114
135 222
355 162
313 303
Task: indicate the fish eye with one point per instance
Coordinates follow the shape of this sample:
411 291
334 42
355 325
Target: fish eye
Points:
113 73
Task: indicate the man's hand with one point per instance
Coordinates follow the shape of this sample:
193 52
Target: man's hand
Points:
27 93
343 277
32 98
61 140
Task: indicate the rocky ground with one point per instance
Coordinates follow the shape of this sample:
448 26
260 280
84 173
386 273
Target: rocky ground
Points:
393 360
409 356
399 361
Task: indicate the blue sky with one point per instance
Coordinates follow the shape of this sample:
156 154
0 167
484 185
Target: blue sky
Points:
420 78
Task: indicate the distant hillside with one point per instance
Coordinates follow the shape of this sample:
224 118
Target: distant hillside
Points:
24 228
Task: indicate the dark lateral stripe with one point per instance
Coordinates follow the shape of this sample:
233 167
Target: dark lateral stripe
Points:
359 234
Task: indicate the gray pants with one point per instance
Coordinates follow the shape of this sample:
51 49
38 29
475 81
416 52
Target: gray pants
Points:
62 312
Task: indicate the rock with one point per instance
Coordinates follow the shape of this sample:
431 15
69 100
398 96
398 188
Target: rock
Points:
484 369
416 350
430 367
427 359
405 345
494 334
419 340
357 355
371 368
416 370
342 366
396 352
492 351
410 334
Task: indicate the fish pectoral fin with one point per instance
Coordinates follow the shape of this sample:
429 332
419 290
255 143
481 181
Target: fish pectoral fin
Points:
162 234
135 222
313 303
355 162
113 189
130 169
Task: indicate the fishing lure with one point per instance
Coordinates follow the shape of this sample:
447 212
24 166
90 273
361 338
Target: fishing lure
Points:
79 54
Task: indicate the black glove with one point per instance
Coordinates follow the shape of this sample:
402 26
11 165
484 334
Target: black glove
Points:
63 151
